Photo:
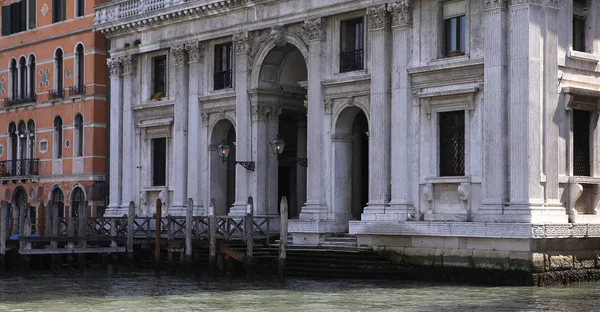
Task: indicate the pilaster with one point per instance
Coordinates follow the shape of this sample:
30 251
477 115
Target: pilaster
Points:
315 207
180 136
380 113
116 131
129 74
196 176
401 206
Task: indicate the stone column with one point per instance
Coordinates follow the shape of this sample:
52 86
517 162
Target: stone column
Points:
525 115
265 180
494 191
196 155
129 167
180 127
380 113
116 142
300 171
401 204
243 140
315 207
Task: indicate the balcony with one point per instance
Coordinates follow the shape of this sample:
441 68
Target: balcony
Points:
16 100
351 60
18 169
77 90
56 93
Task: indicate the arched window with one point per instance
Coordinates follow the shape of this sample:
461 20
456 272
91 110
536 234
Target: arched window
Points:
77 198
79 71
31 134
22 78
22 140
14 81
78 139
58 201
58 137
58 74
12 138
31 89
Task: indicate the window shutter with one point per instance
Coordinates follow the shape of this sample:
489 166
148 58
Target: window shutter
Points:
6 20
22 9
63 10
54 11
32 14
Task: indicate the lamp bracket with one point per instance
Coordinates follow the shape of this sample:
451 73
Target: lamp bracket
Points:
249 165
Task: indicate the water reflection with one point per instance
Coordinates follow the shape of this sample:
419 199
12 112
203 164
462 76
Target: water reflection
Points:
147 292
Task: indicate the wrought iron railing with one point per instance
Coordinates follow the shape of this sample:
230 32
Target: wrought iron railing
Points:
223 80
56 93
352 60
20 167
15 100
77 90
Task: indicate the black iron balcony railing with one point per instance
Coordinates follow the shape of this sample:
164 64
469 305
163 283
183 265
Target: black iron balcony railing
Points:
28 98
351 60
20 167
56 93
223 80
77 90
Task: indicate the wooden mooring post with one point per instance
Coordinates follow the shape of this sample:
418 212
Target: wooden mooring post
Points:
4 233
130 221
212 238
188 234
249 233
283 233
82 231
158 226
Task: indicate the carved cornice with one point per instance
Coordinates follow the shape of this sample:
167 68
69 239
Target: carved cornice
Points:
179 55
195 51
241 43
495 4
379 17
278 35
524 2
114 66
315 29
402 13
128 62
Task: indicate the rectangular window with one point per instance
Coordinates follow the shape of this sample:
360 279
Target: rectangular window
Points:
352 45
223 66
581 143
32 13
80 8
452 143
159 65
159 162
454 15
59 10
14 18
580 12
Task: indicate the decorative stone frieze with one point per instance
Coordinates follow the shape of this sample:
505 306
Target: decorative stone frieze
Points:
401 12
315 29
379 17
129 62
495 4
179 55
241 43
278 34
114 66
195 51
524 2
265 112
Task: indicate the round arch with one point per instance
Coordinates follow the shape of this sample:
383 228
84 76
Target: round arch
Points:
77 200
222 175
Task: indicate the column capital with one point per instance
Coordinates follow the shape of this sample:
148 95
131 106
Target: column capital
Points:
241 43
402 13
114 66
179 55
128 62
495 4
265 112
523 2
315 29
379 17
195 51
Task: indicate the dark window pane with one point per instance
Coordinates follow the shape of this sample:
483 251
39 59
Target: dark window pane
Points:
578 34
454 36
352 45
160 71
581 144
452 143
32 14
80 8
6 21
223 66
159 161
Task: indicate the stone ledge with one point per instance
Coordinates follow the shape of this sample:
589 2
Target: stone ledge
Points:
317 226
474 229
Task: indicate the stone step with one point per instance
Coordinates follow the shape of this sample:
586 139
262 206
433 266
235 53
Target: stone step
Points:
338 244
341 239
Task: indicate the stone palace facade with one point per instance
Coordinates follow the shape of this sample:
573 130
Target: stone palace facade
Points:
421 125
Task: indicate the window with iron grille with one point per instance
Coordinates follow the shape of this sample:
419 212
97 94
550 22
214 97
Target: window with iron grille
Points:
454 15
223 66
452 143
581 143
159 70
159 162
352 35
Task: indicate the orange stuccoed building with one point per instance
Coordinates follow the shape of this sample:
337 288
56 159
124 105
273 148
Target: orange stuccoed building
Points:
54 109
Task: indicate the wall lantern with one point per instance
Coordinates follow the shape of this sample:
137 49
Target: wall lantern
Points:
223 150
277 146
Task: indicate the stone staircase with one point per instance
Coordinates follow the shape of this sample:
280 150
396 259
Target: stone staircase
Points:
339 241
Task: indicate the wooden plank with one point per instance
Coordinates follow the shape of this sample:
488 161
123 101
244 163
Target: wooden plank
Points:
238 256
283 233
188 230
130 220
4 227
249 231
212 238
60 251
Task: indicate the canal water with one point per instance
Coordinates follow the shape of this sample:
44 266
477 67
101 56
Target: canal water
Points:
148 292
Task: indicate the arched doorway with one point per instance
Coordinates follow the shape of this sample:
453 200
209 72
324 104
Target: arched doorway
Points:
279 86
58 202
77 199
19 204
222 175
351 152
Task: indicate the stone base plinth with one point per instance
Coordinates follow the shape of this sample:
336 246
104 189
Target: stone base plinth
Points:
113 212
309 232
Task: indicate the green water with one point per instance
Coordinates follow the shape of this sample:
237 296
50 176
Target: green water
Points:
147 292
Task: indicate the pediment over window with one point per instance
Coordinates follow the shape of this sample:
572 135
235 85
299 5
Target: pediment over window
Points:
448 97
581 98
